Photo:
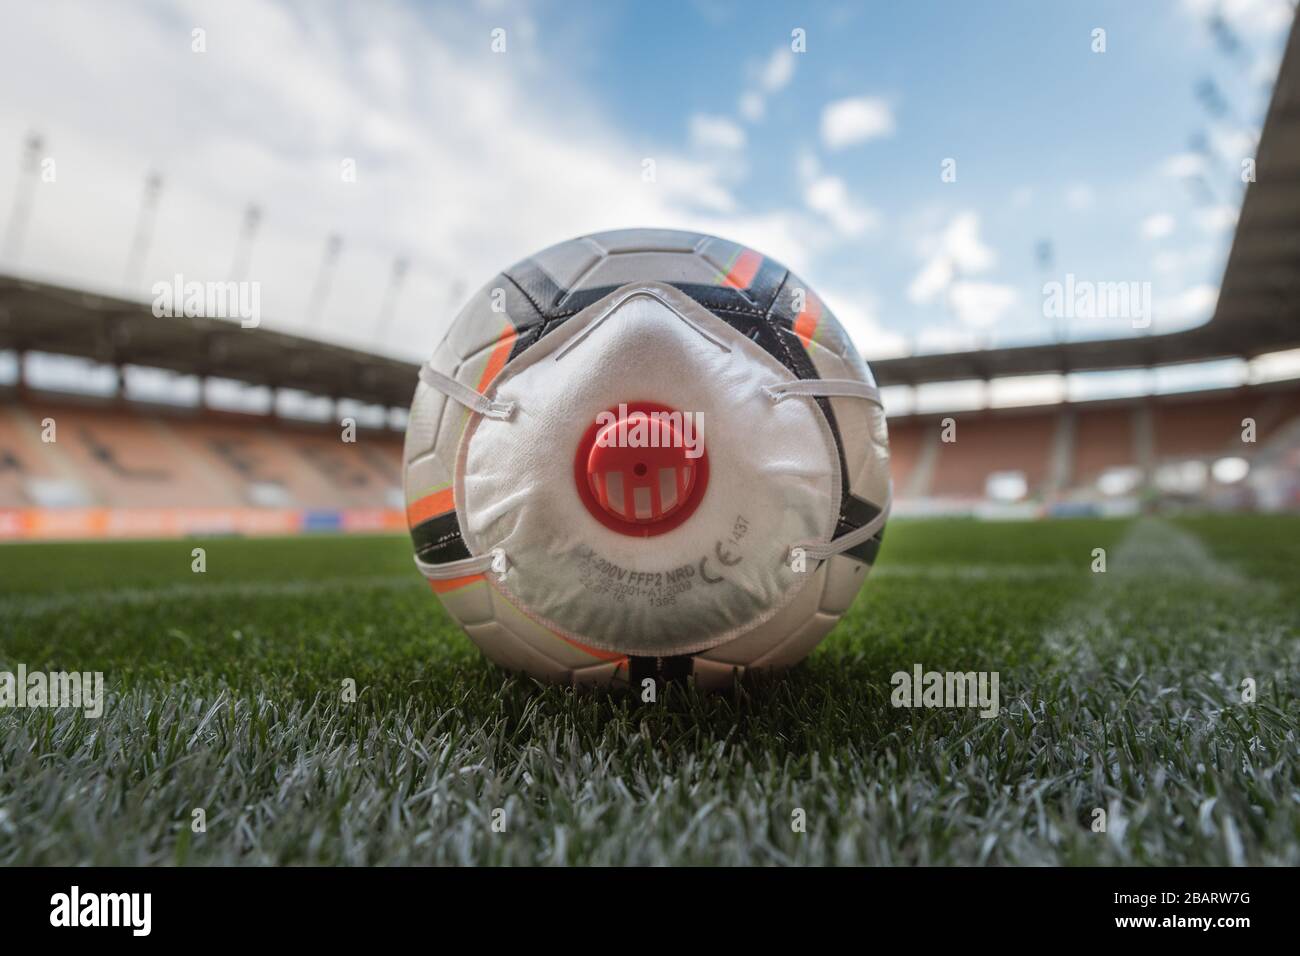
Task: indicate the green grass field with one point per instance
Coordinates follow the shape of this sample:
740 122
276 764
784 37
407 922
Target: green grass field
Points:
1120 691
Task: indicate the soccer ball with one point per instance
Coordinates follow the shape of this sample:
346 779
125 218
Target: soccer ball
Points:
582 526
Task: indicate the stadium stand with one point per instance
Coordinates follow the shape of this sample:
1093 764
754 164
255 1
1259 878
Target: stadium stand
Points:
1102 451
990 443
121 468
1104 440
118 468
78 468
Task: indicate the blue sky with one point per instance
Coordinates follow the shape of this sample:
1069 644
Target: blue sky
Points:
468 159
1052 140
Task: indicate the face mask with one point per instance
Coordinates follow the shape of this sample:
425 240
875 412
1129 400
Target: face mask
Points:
645 480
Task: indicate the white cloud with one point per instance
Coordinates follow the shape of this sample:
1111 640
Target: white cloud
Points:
770 77
950 258
808 165
462 166
855 120
829 196
1179 265
1265 68
956 251
383 66
1234 144
1250 17
1183 165
928 284
1166 262
716 132
1217 219
778 71
1259 28
1079 196
857 311
1191 306
981 305
1157 226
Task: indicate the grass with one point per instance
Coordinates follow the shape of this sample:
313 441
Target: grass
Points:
1120 691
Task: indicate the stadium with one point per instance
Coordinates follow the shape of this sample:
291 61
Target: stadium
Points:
212 514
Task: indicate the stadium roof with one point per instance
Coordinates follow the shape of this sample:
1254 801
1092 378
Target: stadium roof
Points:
48 318
1258 310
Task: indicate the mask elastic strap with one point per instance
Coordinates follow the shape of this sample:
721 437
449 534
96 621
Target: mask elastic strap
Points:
820 551
824 388
481 405
460 392
464 567
635 294
835 388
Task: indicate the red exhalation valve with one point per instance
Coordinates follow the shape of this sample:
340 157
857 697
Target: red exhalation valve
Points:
642 469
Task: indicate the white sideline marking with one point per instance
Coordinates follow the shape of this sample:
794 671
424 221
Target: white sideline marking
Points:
1156 548
1151 550
977 572
35 605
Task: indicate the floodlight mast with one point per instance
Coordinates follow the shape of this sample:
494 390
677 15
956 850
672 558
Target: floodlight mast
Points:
24 195
143 237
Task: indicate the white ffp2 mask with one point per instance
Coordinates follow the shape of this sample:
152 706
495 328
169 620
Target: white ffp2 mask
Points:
570 545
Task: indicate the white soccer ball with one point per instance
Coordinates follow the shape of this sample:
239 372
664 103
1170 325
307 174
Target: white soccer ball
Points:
646 453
